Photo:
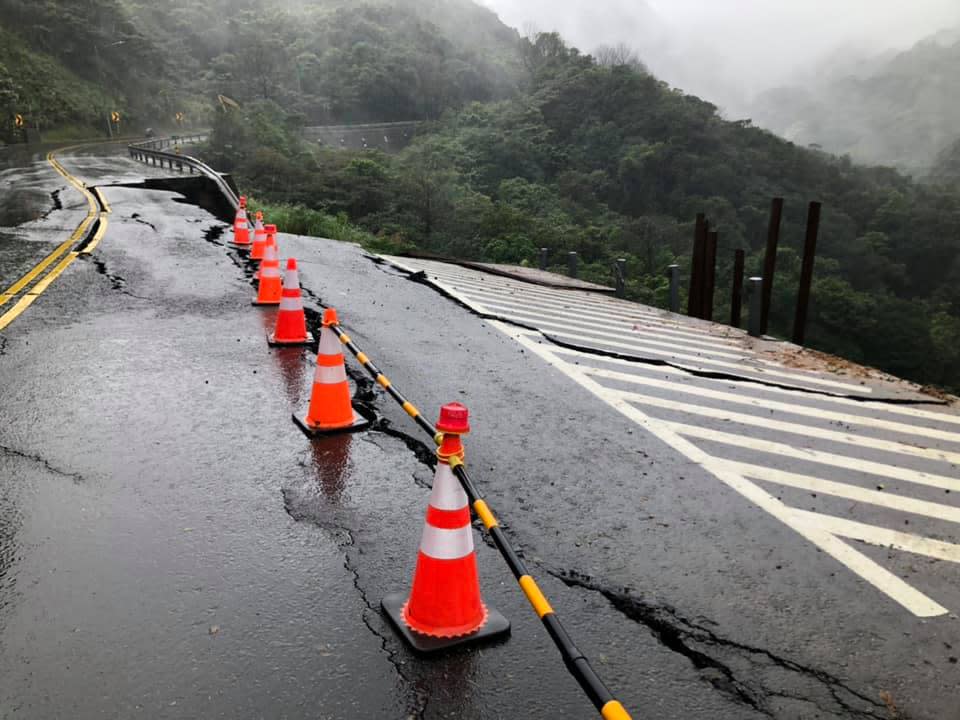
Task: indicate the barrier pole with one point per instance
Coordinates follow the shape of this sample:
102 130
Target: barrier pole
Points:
576 662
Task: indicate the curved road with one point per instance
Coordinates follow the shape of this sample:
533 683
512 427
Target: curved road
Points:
172 546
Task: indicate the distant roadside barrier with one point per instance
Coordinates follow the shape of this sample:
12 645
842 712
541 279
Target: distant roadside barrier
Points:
166 152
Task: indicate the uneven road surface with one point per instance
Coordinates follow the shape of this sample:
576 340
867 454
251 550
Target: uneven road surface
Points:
724 534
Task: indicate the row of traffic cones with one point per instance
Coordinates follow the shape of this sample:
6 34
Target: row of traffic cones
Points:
444 607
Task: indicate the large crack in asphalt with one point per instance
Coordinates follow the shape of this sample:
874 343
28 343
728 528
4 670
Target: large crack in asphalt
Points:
731 667
117 282
344 536
13 452
716 657
422 278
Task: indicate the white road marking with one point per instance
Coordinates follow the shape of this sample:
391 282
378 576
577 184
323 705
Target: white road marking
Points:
795 377
702 363
576 300
880 536
848 492
879 406
591 331
885 581
469 302
767 404
917 477
792 428
625 328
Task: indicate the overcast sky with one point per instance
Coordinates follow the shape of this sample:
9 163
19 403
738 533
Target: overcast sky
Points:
731 48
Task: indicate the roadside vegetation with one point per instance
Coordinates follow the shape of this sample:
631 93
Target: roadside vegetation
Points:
608 161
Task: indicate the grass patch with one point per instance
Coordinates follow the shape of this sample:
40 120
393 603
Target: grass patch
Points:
301 220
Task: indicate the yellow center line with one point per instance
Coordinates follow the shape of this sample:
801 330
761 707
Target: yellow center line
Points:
93 211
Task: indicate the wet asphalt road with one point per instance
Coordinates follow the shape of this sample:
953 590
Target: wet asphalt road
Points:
172 546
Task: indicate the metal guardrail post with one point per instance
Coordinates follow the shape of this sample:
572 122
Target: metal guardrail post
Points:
572 263
620 277
755 293
674 274
544 252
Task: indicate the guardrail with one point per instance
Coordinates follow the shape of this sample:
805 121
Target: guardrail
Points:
156 152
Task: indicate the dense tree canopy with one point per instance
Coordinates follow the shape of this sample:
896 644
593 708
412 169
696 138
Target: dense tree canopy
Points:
606 160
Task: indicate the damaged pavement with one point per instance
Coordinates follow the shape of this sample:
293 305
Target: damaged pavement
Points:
171 543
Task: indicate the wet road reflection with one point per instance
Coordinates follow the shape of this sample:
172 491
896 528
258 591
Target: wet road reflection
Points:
331 461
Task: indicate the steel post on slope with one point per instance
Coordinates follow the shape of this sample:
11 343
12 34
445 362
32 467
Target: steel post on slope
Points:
673 273
806 273
710 274
770 261
755 296
694 294
736 294
576 662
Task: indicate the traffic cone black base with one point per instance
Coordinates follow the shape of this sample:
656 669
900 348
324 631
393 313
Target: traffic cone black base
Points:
289 343
359 423
494 628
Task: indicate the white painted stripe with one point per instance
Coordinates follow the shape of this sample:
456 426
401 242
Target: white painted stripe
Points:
330 375
702 363
404 264
447 494
796 378
443 544
820 486
885 581
769 423
570 299
853 405
942 482
655 320
329 343
879 536
291 303
629 337
624 330
767 404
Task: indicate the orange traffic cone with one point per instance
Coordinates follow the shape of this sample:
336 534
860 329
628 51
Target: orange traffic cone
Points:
259 232
259 243
271 240
241 228
330 408
444 608
270 289
291 322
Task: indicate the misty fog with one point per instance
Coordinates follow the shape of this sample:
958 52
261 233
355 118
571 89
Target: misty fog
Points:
728 51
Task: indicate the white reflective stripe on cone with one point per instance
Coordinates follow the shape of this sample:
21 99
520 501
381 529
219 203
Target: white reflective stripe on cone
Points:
446 544
290 303
329 344
292 280
447 493
269 272
330 375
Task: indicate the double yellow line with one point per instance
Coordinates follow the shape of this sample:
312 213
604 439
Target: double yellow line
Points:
62 253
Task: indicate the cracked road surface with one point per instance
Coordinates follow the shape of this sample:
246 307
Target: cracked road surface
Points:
172 546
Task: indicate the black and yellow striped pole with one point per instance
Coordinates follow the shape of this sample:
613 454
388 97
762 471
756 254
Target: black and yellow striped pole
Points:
576 662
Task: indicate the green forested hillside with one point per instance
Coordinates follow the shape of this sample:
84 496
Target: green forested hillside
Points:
610 162
331 60
901 111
